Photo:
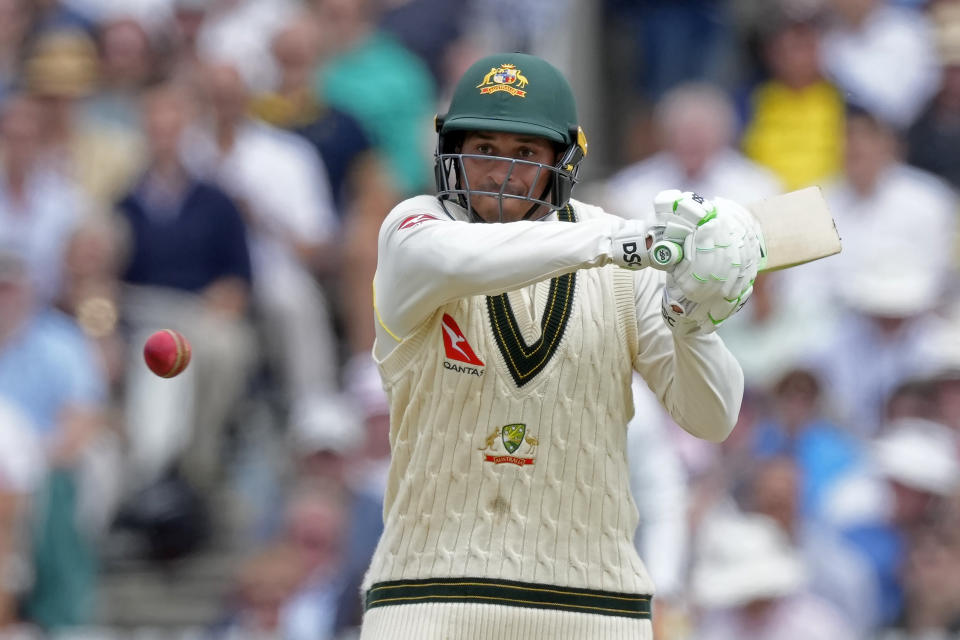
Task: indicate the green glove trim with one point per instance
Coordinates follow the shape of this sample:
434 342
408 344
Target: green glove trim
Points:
705 219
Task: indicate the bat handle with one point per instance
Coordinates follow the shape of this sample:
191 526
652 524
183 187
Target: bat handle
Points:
665 254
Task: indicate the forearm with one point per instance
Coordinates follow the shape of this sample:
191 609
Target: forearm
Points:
696 378
707 388
422 268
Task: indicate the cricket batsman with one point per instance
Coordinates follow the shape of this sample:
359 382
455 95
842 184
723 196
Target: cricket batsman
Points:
510 318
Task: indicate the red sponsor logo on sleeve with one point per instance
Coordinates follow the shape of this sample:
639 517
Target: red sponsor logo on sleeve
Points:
412 221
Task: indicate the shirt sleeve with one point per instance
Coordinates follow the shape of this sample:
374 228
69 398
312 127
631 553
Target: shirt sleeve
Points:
80 377
426 260
696 378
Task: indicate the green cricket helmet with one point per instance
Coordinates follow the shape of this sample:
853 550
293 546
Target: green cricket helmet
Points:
511 93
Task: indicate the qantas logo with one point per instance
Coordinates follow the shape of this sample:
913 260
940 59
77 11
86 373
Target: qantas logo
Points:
456 345
412 221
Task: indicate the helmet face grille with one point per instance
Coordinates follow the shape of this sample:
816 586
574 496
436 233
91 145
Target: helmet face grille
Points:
453 184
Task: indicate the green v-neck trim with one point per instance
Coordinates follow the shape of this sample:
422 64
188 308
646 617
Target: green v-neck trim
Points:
526 361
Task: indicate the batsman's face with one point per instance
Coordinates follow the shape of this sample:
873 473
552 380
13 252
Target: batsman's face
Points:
516 178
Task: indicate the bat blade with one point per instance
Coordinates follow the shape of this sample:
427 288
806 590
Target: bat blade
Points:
797 228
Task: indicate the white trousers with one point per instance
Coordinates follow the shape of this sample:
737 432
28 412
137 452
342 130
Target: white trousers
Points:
468 621
183 417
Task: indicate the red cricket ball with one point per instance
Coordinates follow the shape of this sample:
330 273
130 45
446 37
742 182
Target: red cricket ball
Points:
167 353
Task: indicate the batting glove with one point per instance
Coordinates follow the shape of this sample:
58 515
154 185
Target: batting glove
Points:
678 213
715 276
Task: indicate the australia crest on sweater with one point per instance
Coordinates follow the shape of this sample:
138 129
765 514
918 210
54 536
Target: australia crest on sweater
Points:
510 444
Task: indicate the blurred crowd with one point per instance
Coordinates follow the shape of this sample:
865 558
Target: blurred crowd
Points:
221 167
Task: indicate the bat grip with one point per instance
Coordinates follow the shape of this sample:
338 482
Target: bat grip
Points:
665 254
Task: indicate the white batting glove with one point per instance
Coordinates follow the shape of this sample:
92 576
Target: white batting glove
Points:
715 277
678 214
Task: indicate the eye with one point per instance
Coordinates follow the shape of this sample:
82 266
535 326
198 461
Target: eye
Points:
484 149
527 153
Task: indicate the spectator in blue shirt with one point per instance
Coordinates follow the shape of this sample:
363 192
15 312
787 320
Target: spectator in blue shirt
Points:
188 269
799 429
50 372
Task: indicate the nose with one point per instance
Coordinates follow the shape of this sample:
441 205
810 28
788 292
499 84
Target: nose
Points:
501 171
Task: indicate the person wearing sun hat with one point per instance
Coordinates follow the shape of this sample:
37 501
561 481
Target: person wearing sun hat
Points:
887 319
750 583
920 461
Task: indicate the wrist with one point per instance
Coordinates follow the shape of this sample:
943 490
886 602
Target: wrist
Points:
630 244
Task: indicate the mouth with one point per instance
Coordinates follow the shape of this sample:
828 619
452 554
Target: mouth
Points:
493 190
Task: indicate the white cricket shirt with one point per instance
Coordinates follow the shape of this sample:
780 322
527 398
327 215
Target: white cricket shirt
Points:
507 352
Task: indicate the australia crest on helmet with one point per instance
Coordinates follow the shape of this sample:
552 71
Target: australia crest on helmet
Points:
507 77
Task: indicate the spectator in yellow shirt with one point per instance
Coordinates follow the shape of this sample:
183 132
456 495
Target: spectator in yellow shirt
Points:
795 126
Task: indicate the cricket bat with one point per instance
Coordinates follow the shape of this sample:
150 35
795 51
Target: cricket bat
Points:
797 228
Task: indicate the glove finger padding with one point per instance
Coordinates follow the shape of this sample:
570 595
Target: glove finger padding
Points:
716 275
663 201
750 225
712 262
679 213
681 314
686 317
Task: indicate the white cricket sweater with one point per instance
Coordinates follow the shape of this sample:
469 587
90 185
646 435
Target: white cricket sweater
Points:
509 412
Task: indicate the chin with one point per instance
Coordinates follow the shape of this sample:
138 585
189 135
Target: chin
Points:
489 210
